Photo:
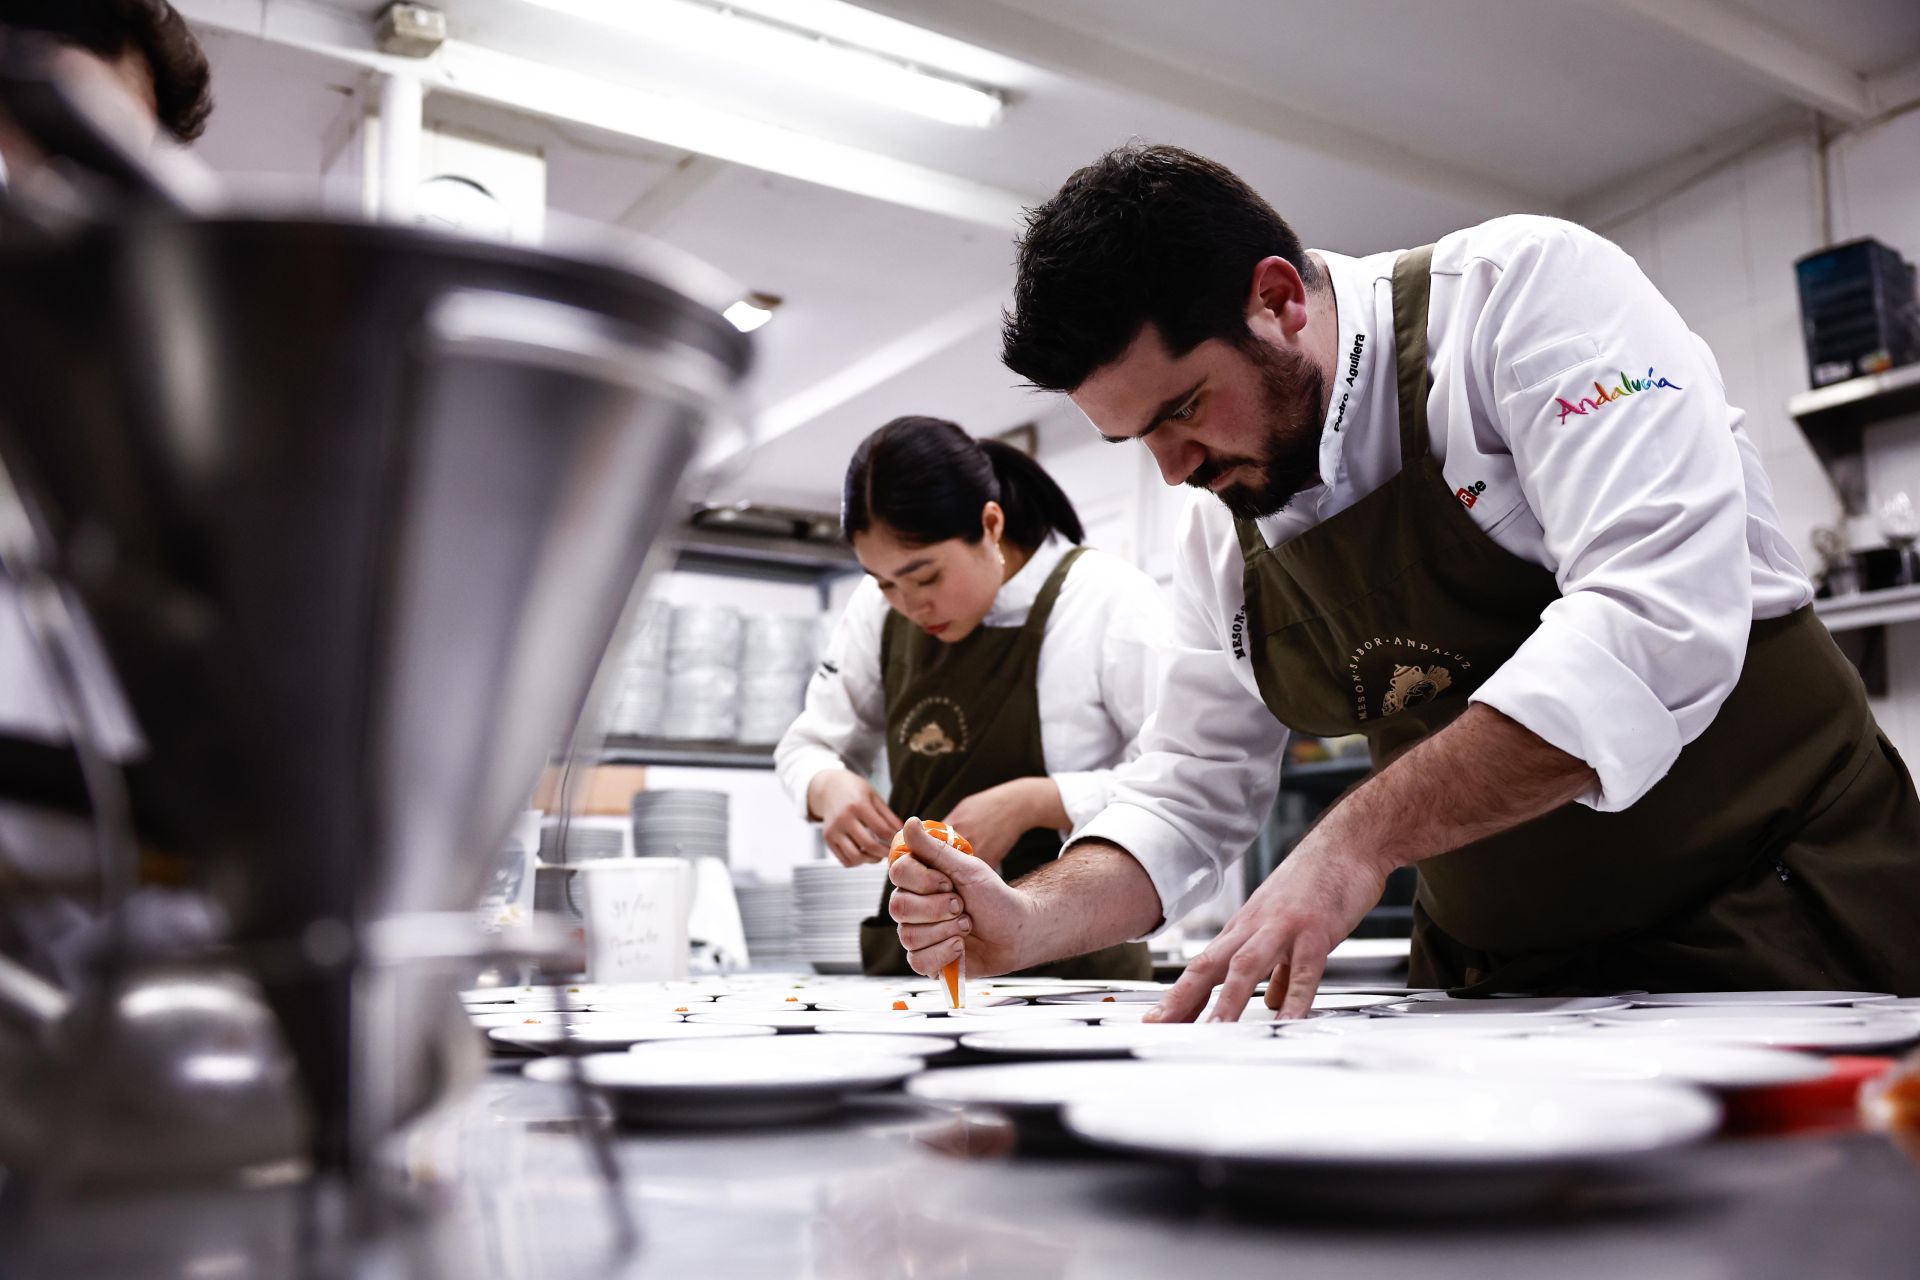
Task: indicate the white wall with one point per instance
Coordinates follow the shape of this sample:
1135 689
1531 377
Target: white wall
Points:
1722 250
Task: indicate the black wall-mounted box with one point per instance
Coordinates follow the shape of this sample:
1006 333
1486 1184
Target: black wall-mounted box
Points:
1857 311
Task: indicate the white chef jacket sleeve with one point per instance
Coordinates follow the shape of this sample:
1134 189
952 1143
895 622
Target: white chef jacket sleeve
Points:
844 722
1620 431
1136 626
1194 798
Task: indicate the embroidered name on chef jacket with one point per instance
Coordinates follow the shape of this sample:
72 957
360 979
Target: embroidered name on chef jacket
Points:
1353 373
1603 396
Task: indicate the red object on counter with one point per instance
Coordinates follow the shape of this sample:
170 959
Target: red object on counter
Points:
1818 1106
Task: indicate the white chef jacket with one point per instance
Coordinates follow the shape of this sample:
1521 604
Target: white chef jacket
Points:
1094 684
1585 429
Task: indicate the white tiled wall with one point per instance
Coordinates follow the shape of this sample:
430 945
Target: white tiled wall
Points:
1722 250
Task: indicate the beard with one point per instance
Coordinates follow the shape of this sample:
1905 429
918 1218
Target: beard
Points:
1294 404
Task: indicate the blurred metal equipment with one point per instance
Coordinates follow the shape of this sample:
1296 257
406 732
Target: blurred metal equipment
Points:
354 510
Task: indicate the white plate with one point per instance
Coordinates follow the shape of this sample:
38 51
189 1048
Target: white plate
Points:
615 1035
856 1044
1375 1139
747 1088
1708 1013
779 1019
511 1017
1072 1040
1028 988
1325 1051
1108 995
915 1002
1254 1011
1352 1000
1359 1026
1883 1031
766 1000
1750 999
1045 1087
892 1024
1020 1015
1903 1004
1505 1006
1607 1057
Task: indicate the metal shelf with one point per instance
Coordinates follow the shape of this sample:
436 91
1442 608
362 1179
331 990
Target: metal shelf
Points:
621 749
1858 401
1869 608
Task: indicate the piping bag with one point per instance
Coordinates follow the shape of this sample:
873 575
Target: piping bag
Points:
955 974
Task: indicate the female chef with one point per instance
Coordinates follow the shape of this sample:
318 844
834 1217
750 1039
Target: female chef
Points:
1002 665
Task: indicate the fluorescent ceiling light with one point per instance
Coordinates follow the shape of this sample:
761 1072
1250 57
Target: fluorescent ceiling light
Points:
751 311
777 49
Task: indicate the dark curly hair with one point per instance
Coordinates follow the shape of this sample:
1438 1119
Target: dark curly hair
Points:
182 82
1143 235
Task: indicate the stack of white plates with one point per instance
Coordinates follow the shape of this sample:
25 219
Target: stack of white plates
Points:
638 702
777 658
680 823
589 837
551 892
829 902
766 910
703 674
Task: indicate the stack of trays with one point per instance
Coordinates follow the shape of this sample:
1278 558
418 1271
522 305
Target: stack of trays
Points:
703 675
776 661
766 911
829 902
680 824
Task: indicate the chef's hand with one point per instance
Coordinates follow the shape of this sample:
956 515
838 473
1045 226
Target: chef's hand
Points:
1284 931
945 901
856 822
994 820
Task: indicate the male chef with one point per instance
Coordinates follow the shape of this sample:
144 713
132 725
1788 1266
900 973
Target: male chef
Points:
1484 502
140 67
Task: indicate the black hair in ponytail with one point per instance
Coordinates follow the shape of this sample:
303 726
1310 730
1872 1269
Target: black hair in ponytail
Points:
927 480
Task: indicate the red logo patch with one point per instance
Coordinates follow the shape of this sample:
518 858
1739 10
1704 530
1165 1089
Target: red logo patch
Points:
1471 493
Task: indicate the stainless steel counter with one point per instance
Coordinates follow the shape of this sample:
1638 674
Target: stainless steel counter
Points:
891 1191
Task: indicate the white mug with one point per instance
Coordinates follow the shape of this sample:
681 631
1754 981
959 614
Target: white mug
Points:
636 917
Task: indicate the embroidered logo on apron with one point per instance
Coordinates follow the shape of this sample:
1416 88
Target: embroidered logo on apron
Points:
935 727
1411 686
1394 673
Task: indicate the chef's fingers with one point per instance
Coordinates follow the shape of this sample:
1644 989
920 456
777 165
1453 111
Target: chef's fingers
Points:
1308 962
1251 962
888 819
929 962
1189 995
914 876
842 848
918 937
954 865
924 908
876 826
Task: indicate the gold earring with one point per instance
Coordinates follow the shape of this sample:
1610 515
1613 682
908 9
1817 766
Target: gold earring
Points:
1000 555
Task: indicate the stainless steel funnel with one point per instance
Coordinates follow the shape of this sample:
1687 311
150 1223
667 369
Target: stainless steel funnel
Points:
354 510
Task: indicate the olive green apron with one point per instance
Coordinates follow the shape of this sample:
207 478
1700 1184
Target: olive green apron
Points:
961 718
1782 850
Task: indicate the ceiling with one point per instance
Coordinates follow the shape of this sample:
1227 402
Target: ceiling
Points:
1369 123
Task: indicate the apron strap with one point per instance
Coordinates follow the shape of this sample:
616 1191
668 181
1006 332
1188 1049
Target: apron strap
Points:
1049 592
1251 542
1412 283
